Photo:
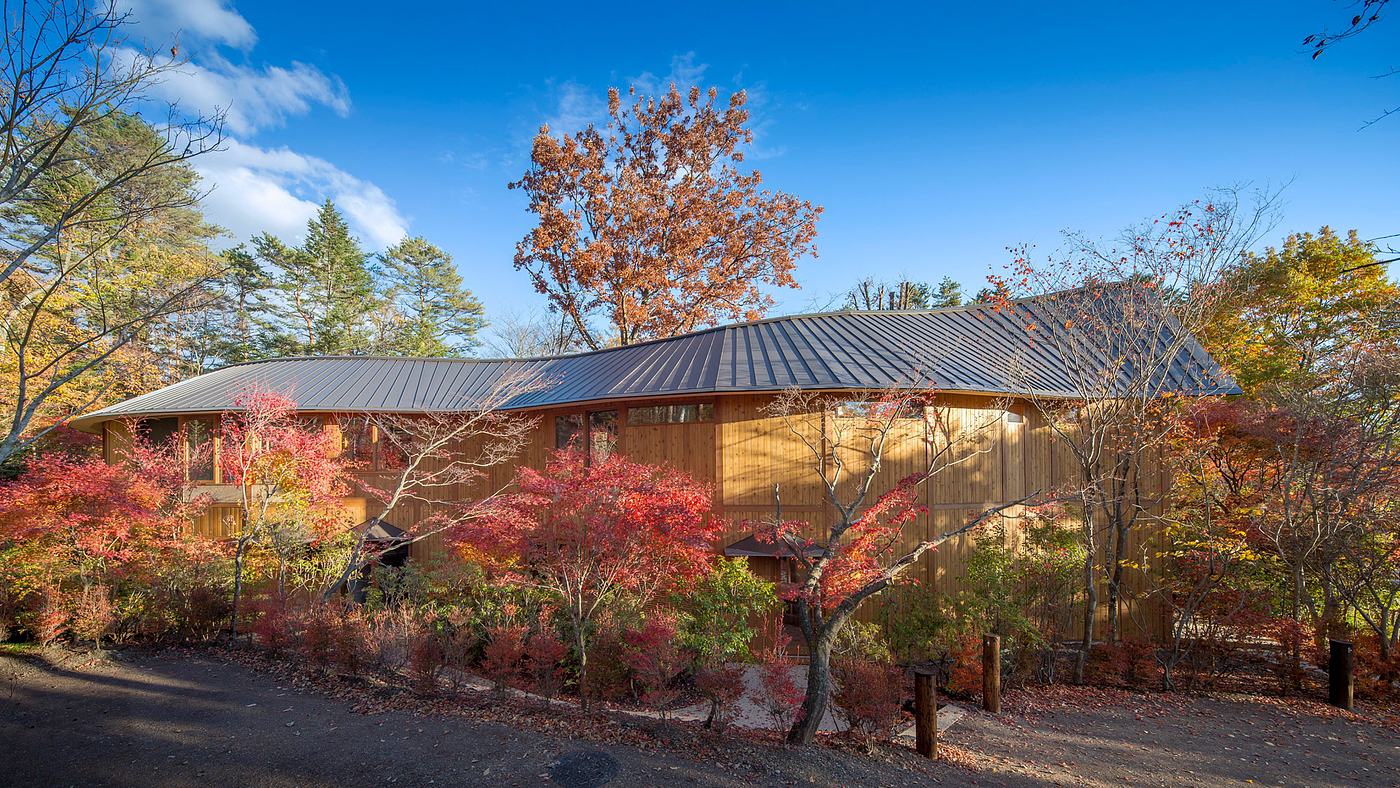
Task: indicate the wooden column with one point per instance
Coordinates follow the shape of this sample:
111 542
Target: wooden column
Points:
925 713
991 673
1341 679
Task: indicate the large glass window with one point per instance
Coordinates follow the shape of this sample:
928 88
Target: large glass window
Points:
199 442
568 431
596 432
671 414
357 440
879 410
160 432
602 434
394 445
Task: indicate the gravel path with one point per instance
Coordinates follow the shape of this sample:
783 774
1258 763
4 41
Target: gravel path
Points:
142 720
1074 736
162 720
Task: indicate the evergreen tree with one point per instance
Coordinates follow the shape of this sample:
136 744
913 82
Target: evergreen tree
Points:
996 294
245 312
438 316
949 293
326 287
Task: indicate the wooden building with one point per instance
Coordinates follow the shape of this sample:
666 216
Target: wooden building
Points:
698 402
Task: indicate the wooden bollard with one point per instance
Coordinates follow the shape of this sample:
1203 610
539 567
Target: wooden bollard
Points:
925 713
991 673
1341 680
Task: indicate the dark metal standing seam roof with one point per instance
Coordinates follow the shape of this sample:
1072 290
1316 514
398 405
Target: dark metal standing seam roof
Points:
976 348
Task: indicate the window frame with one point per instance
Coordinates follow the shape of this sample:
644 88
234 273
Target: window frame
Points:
701 408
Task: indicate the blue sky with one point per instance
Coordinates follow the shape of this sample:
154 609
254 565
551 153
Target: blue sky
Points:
935 135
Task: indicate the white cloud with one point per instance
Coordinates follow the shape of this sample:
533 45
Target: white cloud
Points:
157 21
576 106
251 98
685 73
255 189
276 190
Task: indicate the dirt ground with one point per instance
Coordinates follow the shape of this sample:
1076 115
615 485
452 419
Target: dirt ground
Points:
173 719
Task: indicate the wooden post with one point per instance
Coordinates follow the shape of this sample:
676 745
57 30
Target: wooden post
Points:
925 713
1340 676
991 673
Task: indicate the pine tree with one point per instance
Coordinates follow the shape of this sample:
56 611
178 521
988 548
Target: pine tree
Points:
439 317
949 293
245 307
326 287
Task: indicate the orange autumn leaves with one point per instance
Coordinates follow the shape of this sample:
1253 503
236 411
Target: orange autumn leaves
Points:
651 225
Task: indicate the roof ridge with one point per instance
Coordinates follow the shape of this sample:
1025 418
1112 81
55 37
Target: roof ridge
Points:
700 332
973 347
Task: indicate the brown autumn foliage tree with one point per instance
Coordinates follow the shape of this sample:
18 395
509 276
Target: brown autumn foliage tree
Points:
652 225
1122 319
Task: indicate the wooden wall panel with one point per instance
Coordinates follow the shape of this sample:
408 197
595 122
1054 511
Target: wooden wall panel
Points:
744 452
759 451
687 447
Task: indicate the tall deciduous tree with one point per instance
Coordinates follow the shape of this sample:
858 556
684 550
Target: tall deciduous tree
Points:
67 77
325 286
532 334
1120 316
80 170
96 312
856 554
652 225
440 317
1299 310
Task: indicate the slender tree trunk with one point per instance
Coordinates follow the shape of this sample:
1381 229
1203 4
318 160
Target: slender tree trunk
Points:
813 708
351 564
1091 604
237 586
583 688
1115 583
1393 639
1297 655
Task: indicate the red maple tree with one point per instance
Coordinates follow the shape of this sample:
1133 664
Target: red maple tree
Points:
285 470
76 531
589 535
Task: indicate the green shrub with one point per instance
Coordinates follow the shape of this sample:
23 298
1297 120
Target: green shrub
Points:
716 611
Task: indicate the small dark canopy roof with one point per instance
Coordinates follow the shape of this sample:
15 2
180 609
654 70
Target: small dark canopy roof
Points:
1012 349
753 547
376 530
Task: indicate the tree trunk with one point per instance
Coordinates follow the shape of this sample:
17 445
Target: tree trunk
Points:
583 688
813 708
1297 656
237 587
351 565
1115 582
1091 604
